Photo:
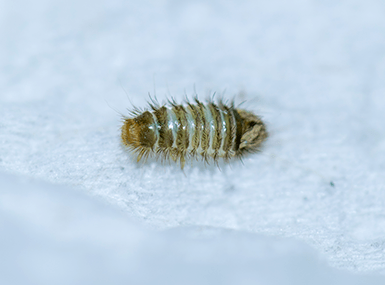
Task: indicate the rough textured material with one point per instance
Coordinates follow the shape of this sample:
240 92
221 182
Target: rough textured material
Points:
313 70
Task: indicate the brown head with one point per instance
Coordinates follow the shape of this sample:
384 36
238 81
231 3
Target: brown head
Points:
138 134
253 132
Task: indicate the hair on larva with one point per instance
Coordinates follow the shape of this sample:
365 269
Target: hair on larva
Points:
180 132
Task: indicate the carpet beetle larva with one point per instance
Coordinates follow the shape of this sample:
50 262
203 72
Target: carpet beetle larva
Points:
183 132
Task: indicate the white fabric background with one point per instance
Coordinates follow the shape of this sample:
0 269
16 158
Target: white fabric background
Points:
75 207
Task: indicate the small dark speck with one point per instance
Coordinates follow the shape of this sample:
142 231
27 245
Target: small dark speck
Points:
229 188
332 183
121 168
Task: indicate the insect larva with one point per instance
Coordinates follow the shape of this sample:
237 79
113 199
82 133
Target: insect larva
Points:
182 132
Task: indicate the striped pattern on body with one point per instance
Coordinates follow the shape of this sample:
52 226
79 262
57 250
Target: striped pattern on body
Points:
181 132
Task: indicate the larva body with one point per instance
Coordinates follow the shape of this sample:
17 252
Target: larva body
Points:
182 132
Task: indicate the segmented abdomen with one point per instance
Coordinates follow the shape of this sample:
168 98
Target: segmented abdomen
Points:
180 132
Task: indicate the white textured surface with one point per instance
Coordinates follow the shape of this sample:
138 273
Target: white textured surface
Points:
315 72
55 235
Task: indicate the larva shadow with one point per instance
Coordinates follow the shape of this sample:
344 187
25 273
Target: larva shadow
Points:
191 165
212 133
